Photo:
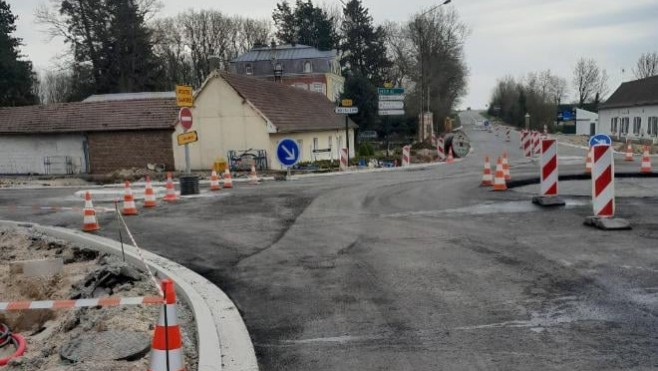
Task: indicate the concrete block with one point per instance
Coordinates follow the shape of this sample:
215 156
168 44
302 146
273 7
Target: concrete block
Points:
548 201
37 268
608 224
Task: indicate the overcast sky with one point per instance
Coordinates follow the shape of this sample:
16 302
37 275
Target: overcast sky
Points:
509 37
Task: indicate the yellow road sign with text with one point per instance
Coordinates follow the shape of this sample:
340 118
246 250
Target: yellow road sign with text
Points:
184 96
187 138
346 103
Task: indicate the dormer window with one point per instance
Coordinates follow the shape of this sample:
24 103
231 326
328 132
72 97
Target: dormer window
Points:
307 67
248 70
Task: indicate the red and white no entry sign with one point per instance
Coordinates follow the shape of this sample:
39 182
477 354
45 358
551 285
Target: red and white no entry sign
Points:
185 118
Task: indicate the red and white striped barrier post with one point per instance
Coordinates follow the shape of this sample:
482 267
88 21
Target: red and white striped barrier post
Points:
523 134
527 144
406 156
343 159
548 173
440 149
433 140
603 190
537 143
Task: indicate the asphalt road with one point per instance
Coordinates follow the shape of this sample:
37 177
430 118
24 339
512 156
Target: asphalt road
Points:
414 270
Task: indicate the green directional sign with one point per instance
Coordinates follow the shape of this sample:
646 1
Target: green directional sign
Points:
393 91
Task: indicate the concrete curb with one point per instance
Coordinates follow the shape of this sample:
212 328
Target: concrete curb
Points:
223 340
578 176
369 171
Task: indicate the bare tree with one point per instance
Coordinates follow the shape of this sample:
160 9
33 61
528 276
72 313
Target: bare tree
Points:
590 81
646 66
55 86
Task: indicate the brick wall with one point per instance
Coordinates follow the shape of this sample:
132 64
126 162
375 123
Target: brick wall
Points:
109 151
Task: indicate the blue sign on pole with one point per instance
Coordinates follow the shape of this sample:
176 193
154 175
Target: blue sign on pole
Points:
287 152
599 139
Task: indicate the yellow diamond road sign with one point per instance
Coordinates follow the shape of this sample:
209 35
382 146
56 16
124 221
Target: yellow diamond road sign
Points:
184 96
186 138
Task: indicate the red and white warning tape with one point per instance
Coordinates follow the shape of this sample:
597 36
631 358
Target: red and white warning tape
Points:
110 301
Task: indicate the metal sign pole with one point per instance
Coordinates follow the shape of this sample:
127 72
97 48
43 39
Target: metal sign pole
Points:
347 138
187 159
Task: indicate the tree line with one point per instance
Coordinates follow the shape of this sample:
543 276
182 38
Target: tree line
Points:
118 46
540 94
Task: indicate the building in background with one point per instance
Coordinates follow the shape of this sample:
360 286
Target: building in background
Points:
242 120
632 111
100 135
300 66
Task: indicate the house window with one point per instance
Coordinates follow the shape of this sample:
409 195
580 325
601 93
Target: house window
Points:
653 126
300 85
308 67
318 87
613 124
300 142
331 141
625 123
315 143
248 70
637 125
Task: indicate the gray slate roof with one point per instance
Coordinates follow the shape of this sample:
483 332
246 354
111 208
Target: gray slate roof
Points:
636 93
284 52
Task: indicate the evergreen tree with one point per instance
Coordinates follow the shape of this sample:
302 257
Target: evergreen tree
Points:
365 96
307 24
363 45
16 75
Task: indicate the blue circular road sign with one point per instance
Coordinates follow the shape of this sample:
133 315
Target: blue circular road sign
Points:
599 139
287 152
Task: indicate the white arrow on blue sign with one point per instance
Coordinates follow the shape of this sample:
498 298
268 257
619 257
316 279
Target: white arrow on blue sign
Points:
287 152
599 139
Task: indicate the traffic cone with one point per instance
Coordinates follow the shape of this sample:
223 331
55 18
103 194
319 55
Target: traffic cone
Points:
487 177
508 176
629 152
499 180
149 195
129 207
90 221
214 182
170 196
167 346
588 162
646 161
228 179
253 177
451 158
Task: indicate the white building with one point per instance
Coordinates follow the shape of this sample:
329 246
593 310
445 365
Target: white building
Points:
586 122
239 117
632 111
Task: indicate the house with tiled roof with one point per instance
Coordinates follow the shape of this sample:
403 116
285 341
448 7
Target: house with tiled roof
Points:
297 65
631 112
99 135
238 117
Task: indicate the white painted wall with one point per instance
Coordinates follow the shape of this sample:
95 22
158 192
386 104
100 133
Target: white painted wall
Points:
606 115
306 140
23 154
224 122
584 119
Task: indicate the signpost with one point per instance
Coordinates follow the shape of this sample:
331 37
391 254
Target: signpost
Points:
185 119
600 139
288 152
347 110
184 96
391 101
187 137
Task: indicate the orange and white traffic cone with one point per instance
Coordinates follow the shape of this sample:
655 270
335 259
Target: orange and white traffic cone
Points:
499 180
506 171
487 177
170 196
149 195
629 152
129 207
214 182
228 179
90 221
167 346
253 177
451 158
588 162
646 161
